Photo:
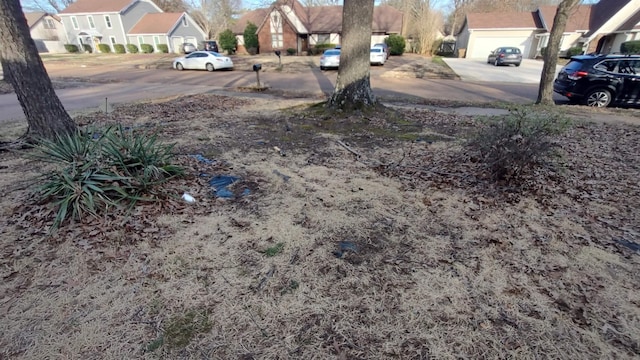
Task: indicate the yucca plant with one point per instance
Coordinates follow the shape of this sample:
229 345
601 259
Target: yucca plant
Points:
102 169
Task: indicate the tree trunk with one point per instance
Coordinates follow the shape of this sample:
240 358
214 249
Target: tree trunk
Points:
26 73
353 86
545 91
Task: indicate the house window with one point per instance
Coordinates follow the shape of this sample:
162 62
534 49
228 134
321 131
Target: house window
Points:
74 22
276 31
49 24
323 38
140 40
112 39
184 21
107 21
92 25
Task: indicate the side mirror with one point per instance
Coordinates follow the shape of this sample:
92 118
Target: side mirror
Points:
257 67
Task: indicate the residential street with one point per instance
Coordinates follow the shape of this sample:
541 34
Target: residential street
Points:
132 81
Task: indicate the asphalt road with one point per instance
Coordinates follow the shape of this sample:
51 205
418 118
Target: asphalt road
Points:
125 83
478 70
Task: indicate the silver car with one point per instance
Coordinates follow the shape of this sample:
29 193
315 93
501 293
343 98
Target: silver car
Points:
203 60
330 59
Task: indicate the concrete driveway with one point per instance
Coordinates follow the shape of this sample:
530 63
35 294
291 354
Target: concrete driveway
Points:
478 70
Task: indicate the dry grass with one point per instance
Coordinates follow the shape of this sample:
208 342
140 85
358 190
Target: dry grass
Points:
429 267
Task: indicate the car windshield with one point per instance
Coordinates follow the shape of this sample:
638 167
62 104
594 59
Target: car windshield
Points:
215 53
332 52
376 50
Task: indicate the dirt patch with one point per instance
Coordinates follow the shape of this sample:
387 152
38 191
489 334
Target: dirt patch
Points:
368 236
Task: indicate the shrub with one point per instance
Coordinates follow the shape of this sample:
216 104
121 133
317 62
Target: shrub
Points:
146 48
72 48
87 48
511 146
630 47
99 170
132 48
320 48
251 37
163 48
104 48
228 41
291 51
119 49
396 44
543 51
252 50
573 51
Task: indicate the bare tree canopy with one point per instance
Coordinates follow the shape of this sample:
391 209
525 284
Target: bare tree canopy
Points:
24 69
214 16
545 91
171 5
353 86
50 6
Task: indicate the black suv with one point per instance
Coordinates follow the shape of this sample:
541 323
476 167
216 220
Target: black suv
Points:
600 80
209 45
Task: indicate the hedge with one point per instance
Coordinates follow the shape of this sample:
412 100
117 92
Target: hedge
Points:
72 48
87 48
104 48
146 48
630 47
396 44
132 48
119 49
163 48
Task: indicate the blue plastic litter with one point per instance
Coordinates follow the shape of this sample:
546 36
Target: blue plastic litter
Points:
345 246
202 159
628 244
220 183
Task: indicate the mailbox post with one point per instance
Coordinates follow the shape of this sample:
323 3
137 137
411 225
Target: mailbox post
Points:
278 53
257 68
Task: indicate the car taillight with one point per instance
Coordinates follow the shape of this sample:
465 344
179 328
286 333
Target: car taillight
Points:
501 55
577 75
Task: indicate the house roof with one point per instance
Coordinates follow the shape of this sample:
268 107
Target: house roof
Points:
325 19
156 23
579 19
503 20
97 6
603 11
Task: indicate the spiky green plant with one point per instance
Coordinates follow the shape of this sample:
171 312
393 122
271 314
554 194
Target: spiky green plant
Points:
102 169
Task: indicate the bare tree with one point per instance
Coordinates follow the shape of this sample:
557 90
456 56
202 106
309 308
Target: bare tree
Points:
51 6
545 91
25 71
425 22
170 5
214 16
353 86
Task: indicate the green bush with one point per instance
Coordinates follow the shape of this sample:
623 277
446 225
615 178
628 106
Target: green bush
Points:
87 48
72 48
318 49
97 171
291 51
573 51
396 44
251 37
104 48
163 48
132 49
228 41
514 145
146 48
630 47
119 49
543 51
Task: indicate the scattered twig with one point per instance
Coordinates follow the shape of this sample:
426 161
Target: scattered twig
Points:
349 149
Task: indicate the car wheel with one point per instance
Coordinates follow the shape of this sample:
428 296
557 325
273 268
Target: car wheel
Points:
179 67
495 63
598 98
517 64
210 67
322 68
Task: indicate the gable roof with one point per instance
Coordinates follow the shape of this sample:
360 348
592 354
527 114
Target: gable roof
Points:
503 20
97 6
579 19
324 19
156 23
603 11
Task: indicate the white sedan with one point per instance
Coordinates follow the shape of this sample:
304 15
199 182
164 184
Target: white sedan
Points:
377 56
203 60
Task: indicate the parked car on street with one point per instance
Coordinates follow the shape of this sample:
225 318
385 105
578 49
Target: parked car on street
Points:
600 80
377 56
330 59
505 56
203 60
188 48
384 46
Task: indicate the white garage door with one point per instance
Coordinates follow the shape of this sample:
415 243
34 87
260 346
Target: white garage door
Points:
482 46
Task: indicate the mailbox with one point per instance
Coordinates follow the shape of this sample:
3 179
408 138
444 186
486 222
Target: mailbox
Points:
278 53
257 67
